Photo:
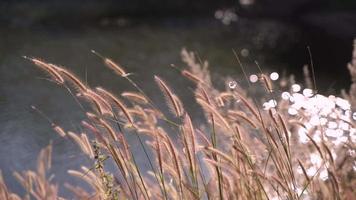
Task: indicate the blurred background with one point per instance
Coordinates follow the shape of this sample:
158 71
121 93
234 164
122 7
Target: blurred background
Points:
146 36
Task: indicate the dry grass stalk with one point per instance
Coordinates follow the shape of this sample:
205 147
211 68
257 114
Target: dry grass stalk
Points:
115 67
76 82
251 153
5 193
173 102
135 97
117 103
35 182
49 68
111 64
59 130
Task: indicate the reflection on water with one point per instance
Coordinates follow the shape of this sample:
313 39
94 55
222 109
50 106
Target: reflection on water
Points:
144 49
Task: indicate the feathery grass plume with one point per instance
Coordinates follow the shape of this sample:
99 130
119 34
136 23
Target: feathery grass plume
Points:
98 134
241 115
190 133
203 96
125 146
172 100
202 93
100 103
83 142
210 109
202 138
47 67
146 131
117 103
284 127
249 105
135 97
193 77
5 193
141 114
59 130
95 131
222 155
175 159
115 67
36 183
255 153
151 118
267 83
109 129
112 65
76 82
197 68
100 99
137 113
91 179
154 112
189 143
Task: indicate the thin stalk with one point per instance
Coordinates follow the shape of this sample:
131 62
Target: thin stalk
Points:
214 142
163 190
140 176
150 101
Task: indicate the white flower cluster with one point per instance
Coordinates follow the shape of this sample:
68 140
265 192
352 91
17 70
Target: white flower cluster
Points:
324 117
329 117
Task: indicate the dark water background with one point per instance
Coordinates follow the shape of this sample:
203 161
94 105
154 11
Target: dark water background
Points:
145 46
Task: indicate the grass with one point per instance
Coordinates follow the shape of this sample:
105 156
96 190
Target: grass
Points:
284 148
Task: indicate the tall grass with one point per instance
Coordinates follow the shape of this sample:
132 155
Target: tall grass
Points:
247 150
